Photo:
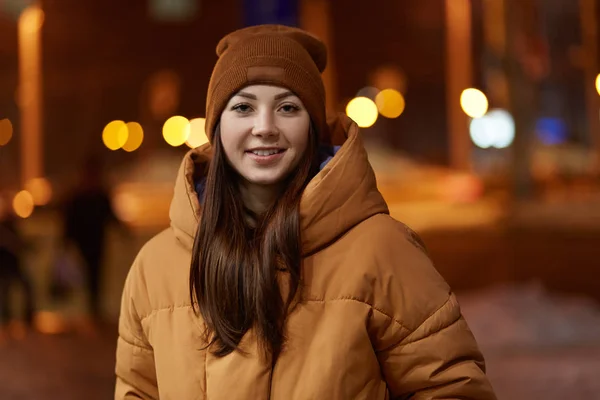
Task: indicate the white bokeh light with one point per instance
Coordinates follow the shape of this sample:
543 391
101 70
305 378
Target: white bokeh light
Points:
495 129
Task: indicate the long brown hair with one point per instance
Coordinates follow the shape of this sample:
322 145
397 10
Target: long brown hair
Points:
233 273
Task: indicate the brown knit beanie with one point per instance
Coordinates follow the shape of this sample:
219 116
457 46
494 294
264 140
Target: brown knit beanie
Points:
274 55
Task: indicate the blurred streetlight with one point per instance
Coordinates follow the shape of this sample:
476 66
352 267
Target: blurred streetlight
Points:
390 103
474 103
363 111
135 136
598 84
6 131
23 204
176 130
115 135
495 129
197 133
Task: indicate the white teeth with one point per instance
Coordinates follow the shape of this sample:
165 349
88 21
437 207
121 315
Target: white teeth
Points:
265 152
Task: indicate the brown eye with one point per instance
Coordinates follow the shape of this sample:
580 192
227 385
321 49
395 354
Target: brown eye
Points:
242 108
289 108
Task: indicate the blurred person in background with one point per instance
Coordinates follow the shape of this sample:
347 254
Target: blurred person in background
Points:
282 275
11 274
88 214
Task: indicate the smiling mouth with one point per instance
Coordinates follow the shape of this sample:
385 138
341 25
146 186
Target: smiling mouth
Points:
265 152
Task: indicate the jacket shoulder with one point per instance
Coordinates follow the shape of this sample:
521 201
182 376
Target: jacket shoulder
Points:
385 230
158 277
157 245
408 283
384 263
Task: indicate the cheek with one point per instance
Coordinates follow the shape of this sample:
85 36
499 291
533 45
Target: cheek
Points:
299 136
302 144
230 138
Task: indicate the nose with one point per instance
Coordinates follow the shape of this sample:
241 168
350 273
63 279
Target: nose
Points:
264 124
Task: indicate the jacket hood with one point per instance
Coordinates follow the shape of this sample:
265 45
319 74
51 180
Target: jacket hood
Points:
343 194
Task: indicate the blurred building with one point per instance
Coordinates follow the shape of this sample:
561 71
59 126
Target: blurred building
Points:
150 59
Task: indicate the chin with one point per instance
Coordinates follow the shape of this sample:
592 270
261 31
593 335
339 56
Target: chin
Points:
265 180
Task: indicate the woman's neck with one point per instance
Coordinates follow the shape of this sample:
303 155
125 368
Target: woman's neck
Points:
258 198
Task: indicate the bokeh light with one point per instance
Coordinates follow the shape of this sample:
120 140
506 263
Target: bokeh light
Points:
23 204
598 83
363 111
495 129
126 206
176 130
6 131
462 188
390 103
474 103
197 133
115 135
50 322
135 136
551 130
40 190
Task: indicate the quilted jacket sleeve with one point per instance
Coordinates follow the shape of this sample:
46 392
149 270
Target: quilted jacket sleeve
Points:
438 360
135 371
424 345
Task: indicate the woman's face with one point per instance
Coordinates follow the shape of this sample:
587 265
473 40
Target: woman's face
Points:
264 133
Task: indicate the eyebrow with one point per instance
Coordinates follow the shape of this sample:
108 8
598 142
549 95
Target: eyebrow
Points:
253 97
284 95
246 95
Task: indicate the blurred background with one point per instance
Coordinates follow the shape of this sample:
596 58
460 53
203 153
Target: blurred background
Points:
481 119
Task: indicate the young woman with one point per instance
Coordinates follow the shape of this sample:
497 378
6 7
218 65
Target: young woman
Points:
282 275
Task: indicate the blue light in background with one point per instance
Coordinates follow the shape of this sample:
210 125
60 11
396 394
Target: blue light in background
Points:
283 12
551 131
